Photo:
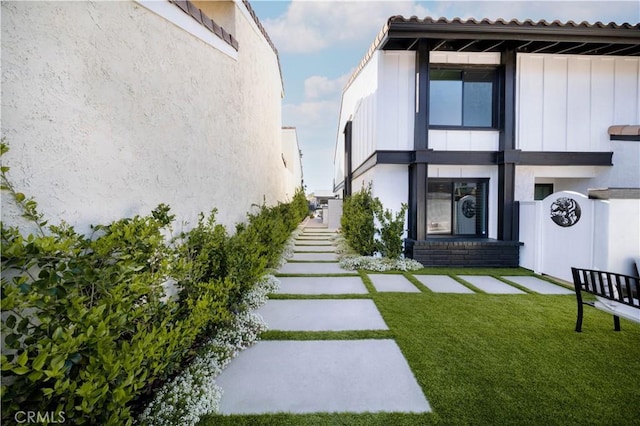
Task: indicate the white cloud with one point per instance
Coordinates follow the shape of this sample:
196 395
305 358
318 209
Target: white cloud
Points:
315 114
318 86
311 26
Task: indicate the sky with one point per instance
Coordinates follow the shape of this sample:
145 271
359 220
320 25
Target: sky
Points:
320 43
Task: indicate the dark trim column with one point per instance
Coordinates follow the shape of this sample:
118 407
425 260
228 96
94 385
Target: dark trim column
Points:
418 170
348 166
418 201
507 218
421 121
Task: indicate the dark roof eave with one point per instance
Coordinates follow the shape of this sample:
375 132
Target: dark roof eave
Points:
451 30
598 36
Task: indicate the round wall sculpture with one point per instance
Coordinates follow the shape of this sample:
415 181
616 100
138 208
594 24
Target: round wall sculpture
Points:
468 207
565 212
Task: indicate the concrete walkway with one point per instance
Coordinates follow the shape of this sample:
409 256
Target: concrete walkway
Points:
308 376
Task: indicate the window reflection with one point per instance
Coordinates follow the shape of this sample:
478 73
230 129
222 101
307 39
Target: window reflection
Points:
457 207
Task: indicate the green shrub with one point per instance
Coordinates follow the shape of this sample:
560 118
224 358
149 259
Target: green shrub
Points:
85 320
358 225
300 205
357 221
86 324
390 231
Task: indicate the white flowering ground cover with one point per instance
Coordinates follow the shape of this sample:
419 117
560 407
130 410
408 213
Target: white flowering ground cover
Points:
193 393
379 264
289 248
352 261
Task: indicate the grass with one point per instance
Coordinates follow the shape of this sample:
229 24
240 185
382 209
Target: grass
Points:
497 359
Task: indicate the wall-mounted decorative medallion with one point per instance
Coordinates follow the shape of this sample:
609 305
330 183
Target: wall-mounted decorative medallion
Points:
468 208
565 212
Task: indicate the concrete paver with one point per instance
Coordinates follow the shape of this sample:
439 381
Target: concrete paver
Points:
538 285
322 315
315 257
309 248
319 232
490 284
313 268
442 284
320 376
313 238
321 285
395 282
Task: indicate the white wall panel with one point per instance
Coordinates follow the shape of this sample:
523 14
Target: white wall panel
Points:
396 100
602 102
529 102
625 87
554 113
578 103
358 104
568 102
491 58
464 140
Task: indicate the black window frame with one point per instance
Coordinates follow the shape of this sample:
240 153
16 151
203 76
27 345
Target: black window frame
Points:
495 95
453 181
549 190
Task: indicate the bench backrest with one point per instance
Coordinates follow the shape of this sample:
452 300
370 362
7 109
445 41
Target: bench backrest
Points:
618 287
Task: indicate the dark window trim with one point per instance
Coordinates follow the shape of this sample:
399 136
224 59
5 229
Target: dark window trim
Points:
487 158
466 129
486 181
624 137
551 158
495 95
550 186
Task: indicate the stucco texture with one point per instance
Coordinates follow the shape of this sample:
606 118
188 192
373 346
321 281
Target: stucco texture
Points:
109 110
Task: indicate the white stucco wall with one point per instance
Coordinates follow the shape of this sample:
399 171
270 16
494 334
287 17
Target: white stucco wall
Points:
607 236
110 109
624 235
292 157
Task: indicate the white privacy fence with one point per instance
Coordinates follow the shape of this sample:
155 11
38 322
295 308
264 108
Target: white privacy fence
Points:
568 229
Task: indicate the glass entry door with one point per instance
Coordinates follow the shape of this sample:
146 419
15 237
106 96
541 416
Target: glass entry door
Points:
457 207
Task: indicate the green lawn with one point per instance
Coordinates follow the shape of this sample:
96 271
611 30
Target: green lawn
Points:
498 359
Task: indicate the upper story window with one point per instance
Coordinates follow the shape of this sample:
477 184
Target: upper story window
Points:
463 97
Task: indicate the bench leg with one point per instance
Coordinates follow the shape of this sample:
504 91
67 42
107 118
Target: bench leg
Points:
616 323
579 320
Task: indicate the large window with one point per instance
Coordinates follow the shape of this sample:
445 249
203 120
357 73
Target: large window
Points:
462 97
457 206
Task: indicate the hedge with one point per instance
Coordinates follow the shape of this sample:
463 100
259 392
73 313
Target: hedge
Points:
88 330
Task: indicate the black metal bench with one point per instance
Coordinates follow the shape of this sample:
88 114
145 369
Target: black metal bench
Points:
616 294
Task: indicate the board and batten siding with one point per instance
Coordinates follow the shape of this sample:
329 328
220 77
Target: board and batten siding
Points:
396 100
364 86
567 102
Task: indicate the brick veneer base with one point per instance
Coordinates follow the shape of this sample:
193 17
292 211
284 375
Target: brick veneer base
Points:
456 252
